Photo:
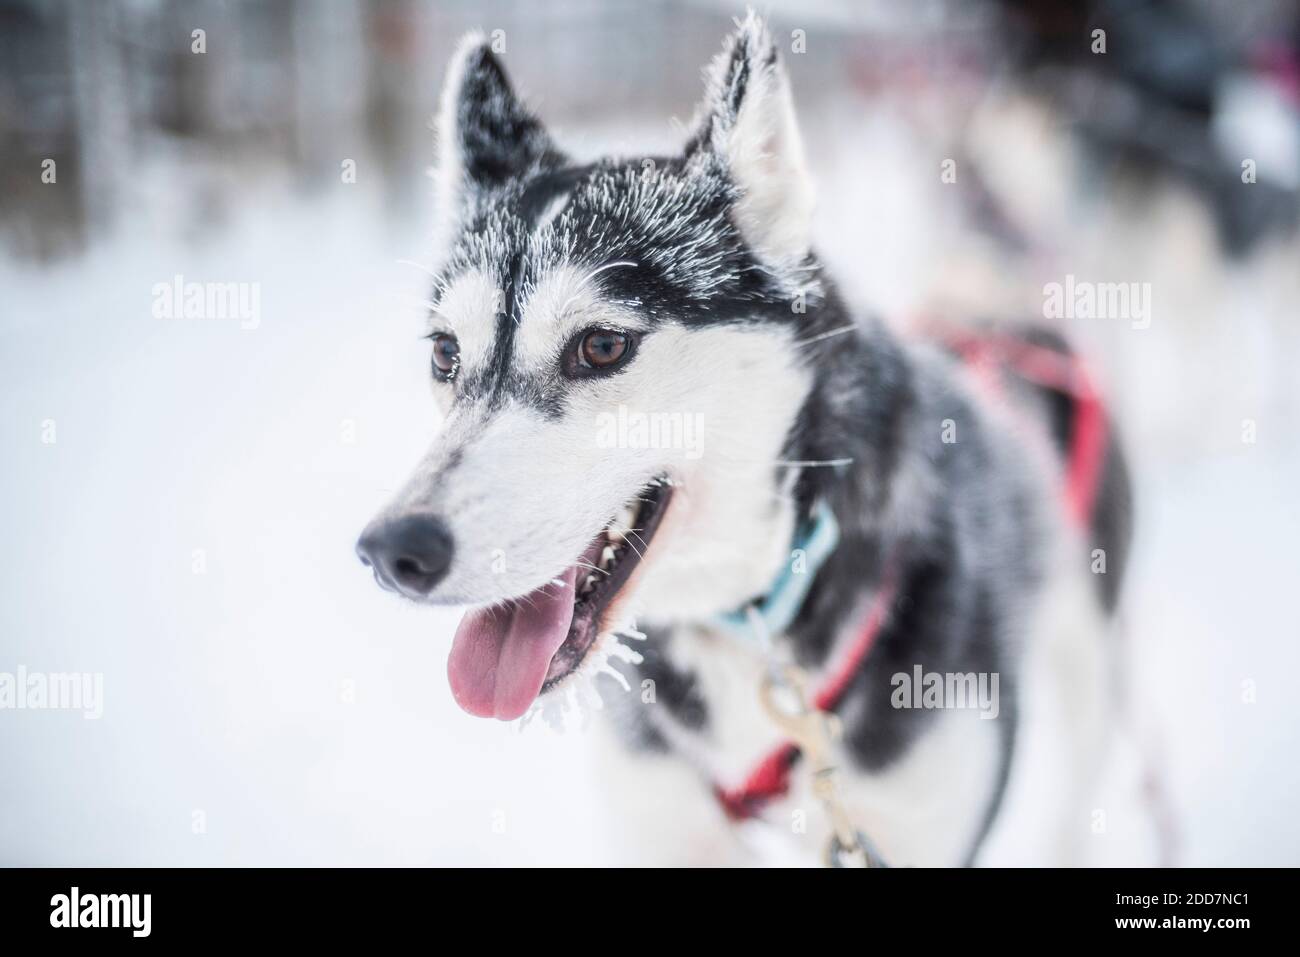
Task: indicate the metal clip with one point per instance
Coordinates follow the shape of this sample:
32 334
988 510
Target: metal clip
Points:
784 696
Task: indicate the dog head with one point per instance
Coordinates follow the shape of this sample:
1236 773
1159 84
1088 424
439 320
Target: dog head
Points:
617 351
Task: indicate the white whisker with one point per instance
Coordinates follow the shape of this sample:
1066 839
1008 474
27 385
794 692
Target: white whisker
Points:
595 272
420 266
629 544
591 275
825 335
828 463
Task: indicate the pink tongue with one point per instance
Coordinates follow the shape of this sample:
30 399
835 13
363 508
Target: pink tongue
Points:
500 656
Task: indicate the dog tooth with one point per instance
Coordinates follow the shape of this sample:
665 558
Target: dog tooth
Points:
627 517
615 535
607 556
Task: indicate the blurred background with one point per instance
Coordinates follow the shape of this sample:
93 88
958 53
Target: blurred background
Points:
181 496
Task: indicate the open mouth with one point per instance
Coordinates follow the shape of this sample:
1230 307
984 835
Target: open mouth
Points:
503 657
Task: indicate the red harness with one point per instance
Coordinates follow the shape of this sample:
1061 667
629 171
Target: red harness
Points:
986 354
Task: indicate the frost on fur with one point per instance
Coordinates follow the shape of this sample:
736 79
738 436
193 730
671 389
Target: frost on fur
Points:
485 135
572 704
747 118
727 220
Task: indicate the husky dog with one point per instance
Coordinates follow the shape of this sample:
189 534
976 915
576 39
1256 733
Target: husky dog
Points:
650 387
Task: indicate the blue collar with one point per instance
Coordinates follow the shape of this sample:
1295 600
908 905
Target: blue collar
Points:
813 543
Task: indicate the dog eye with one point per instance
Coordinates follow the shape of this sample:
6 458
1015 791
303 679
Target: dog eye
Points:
603 349
446 356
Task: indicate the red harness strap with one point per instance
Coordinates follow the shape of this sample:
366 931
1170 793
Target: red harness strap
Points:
1064 373
770 778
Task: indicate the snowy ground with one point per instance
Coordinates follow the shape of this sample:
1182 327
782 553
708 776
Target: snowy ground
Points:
189 535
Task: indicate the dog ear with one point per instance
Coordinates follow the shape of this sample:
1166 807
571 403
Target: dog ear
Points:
485 135
747 119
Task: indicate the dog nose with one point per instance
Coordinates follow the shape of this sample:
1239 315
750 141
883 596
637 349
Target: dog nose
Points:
410 554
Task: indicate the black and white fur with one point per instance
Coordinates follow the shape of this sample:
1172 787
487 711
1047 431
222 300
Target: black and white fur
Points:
704 254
